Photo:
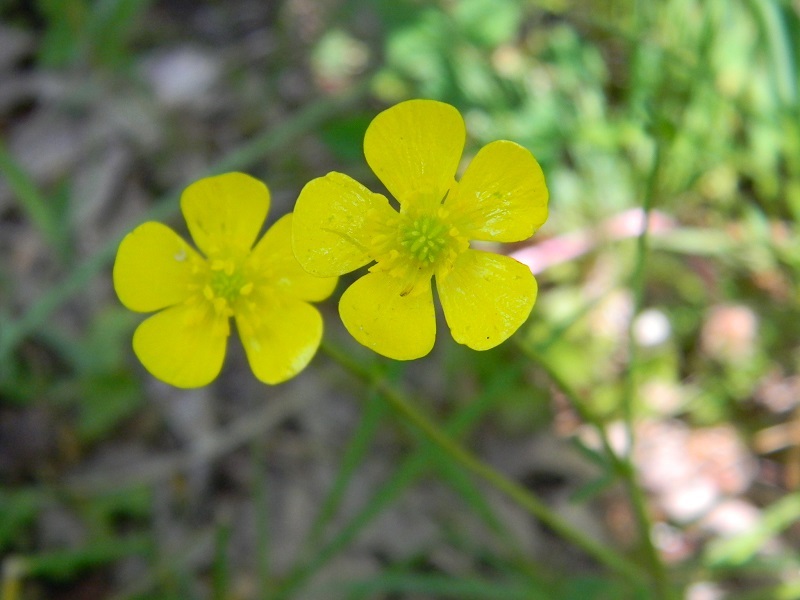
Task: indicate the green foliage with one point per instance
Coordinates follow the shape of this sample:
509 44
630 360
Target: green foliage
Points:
66 564
345 136
734 553
45 213
95 31
19 510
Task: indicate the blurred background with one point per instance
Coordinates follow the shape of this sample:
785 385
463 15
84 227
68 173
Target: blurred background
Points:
113 485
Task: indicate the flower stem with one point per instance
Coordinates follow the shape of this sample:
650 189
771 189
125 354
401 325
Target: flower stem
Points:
635 493
518 493
622 464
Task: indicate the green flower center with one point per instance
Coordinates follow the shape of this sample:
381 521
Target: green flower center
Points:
226 283
424 238
413 247
227 286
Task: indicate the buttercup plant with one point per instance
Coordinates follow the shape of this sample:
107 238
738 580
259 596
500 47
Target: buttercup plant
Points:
415 148
196 293
338 226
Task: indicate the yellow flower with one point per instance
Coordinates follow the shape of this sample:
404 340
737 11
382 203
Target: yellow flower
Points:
262 287
414 148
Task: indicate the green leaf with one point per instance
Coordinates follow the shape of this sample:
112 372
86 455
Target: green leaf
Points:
466 588
489 22
19 509
737 551
41 211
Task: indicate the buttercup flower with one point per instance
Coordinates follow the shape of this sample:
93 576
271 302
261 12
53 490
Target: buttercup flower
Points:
414 148
262 287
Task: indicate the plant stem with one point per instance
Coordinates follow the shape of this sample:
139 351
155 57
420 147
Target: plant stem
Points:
623 466
522 496
635 493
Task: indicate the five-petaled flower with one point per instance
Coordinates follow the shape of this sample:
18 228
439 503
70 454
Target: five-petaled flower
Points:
415 148
262 287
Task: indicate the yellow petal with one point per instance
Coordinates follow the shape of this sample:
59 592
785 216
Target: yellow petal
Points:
486 297
183 345
225 213
332 227
414 148
275 265
280 341
378 315
502 196
153 268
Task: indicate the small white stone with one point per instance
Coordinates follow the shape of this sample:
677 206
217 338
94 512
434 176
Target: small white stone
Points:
704 590
183 76
651 328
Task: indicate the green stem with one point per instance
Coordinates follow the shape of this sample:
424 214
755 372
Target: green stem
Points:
522 496
579 405
635 493
623 466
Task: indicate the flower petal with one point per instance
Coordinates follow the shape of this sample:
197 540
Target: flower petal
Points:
280 345
378 315
502 196
225 213
486 297
332 224
274 263
414 148
153 268
183 345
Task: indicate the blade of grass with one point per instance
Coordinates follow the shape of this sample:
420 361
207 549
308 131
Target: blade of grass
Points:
472 496
170 571
220 568
31 200
386 494
259 492
108 28
409 471
61 565
440 586
776 35
606 556
19 508
354 455
785 591
734 552
522 567
625 466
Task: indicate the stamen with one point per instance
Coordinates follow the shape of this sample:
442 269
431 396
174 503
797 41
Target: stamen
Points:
414 247
225 282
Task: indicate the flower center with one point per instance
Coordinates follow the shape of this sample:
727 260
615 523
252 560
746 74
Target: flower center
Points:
413 247
424 237
226 283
